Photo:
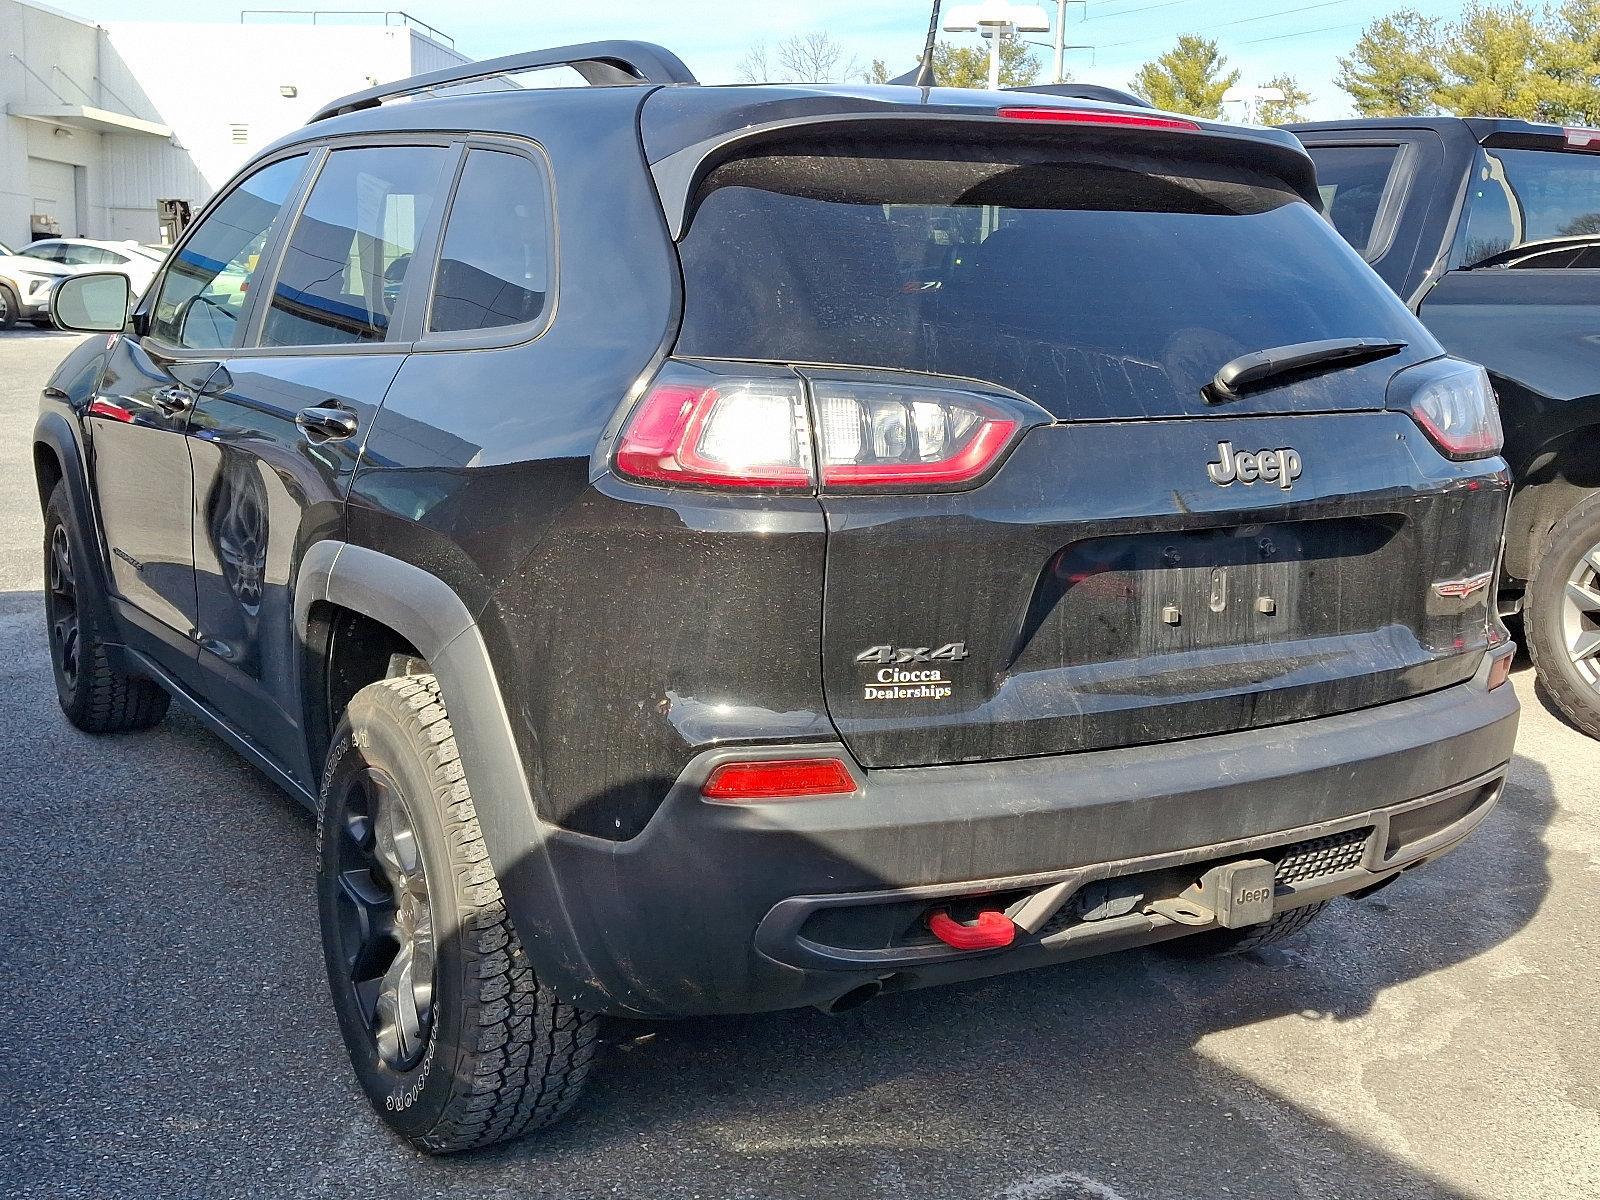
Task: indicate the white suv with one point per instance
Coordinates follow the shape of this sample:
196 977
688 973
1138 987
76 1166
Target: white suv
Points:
137 262
25 283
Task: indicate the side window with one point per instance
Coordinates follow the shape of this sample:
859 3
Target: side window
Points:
350 251
1353 180
49 252
206 284
494 268
89 256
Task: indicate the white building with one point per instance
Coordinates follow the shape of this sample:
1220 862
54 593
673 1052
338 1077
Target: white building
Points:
103 123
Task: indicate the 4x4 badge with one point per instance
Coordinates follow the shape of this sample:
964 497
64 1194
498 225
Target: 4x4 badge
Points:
949 652
1281 466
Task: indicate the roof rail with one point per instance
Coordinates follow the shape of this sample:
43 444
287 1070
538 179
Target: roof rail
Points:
602 64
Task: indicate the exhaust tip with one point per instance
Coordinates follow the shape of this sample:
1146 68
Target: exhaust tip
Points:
854 998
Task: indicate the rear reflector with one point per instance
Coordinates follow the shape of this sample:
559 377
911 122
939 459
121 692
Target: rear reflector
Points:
778 779
989 932
1079 116
1500 669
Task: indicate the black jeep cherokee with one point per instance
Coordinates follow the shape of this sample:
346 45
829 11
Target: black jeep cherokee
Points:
709 550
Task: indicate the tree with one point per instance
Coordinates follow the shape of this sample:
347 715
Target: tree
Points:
1493 64
1393 70
816 58
1496 60
1571 58
1188 78
802 58
968 66
1291 108
754 65
878 72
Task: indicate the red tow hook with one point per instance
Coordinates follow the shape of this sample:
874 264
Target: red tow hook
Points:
990 931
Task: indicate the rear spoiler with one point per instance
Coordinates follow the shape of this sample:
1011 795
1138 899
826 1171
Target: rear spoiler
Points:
679 172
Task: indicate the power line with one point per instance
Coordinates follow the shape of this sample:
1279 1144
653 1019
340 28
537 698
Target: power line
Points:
1283 12
1127 12
1279 37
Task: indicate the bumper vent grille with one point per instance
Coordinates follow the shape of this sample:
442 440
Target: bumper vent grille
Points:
1329 855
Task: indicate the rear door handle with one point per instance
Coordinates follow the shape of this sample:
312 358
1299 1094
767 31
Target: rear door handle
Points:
327 422
174 400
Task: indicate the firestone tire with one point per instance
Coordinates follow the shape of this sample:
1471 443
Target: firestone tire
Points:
455 1042
1222 943
95 693
1560 622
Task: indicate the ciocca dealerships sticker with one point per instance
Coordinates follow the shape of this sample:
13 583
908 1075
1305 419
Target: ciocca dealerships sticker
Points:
901 675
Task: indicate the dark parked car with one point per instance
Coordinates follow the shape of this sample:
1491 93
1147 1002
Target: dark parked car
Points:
1490 231
710 550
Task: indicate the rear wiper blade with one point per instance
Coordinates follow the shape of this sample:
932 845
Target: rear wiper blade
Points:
1251 370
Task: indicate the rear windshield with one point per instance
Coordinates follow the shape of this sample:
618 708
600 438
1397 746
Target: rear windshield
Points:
1521 196
1096 288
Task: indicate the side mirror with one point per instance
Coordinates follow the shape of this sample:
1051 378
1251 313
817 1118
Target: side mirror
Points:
94 302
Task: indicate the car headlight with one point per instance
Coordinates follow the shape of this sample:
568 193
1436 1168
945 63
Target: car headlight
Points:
34 285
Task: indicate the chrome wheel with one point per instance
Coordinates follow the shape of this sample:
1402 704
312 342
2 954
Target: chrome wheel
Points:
385 925
1580 617
61 608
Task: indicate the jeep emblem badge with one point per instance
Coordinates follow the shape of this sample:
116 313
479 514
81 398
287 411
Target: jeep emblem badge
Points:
1281 466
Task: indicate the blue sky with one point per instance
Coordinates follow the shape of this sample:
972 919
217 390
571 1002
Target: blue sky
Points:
1262 37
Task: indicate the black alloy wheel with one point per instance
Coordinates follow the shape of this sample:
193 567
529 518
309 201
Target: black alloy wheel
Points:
61 608
385 926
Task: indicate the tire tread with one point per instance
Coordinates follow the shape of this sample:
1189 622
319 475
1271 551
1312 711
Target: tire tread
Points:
1580 704
533 1050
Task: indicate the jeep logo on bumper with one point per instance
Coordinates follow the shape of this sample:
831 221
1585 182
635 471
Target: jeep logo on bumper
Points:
1281 466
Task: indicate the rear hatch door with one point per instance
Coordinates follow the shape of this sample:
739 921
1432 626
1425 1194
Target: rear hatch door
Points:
1145 564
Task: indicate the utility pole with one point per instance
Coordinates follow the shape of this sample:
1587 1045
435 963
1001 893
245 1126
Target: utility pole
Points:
1061 38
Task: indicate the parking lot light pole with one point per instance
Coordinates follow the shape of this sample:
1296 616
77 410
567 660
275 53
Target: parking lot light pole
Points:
997 20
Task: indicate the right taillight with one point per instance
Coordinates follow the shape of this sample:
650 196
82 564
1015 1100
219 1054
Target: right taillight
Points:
1453 404
775 433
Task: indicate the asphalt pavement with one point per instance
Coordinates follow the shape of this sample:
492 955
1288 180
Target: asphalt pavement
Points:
164 1028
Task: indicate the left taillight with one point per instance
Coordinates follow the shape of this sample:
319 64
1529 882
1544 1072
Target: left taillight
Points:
845 436
738 433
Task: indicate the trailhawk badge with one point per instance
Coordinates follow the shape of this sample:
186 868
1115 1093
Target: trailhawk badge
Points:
900 675
1281 466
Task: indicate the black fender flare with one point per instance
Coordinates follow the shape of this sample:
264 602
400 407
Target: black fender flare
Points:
428 613
55 431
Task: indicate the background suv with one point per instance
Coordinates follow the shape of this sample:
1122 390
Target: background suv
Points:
709 550
1490 231
25 285
138 262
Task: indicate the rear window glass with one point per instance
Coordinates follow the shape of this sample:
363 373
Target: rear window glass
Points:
1352 180
1522 196
1093 288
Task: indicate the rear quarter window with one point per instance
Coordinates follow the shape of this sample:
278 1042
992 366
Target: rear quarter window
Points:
1353 181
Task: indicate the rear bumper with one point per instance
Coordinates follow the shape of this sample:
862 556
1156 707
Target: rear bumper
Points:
741 908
